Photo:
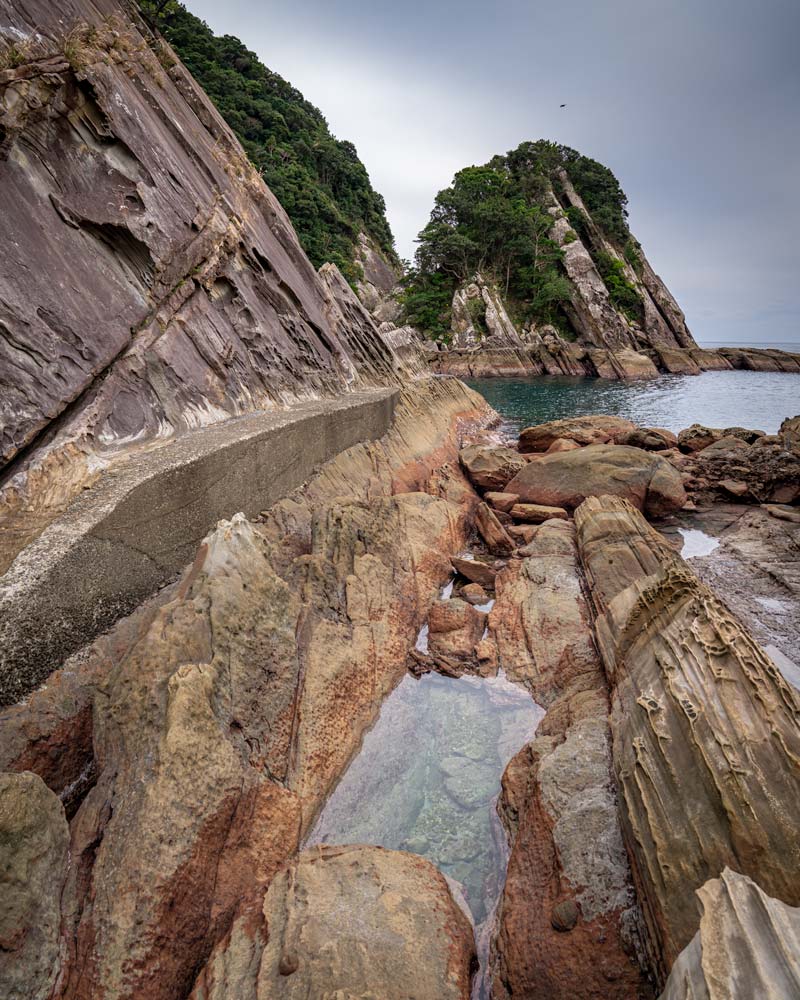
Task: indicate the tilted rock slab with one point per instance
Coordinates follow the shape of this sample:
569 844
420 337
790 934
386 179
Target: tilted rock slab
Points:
344 922
706 730
747 947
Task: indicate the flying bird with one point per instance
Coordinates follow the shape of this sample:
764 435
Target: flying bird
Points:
562 105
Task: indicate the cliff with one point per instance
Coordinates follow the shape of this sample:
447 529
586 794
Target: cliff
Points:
528 267
151 283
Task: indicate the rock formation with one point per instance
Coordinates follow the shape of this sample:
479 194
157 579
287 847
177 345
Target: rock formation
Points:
567 923
700 715
394 901
748 945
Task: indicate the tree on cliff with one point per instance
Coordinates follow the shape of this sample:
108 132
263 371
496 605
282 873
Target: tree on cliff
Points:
318 179
495 220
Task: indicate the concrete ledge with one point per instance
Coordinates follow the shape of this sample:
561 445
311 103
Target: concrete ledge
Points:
141 524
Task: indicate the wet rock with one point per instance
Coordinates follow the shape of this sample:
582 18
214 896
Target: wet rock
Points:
475 570
580 430
34 842
490 467
645 479
747 946
492 531
501 501
533 513
403 934
694 702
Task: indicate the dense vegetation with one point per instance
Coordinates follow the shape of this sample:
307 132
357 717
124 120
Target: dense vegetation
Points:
494 220
318 179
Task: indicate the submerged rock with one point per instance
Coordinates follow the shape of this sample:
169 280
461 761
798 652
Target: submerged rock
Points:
347 922
565 480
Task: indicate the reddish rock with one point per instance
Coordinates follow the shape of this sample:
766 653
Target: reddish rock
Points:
473 593
455 628
501 501
490 467
562 444
475 570
646 480
522 533
579 430
492 531
534 513
734 486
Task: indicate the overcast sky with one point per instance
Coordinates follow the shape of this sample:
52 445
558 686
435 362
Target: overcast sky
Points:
694 104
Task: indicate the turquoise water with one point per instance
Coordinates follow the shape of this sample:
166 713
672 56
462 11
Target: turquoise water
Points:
760 400
428 775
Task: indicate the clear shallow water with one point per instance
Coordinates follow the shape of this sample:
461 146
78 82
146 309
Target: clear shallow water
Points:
428 775
697 543
759 400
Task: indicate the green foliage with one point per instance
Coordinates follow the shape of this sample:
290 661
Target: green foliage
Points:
495 219
570 236
318 179
621 292
426 299
632 254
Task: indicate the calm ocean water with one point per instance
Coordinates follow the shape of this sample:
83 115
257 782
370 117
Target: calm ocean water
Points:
760 400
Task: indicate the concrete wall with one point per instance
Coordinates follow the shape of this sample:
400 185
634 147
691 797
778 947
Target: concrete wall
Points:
141 524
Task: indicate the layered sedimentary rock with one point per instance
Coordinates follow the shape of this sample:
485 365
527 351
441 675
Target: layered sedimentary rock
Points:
169 290
567 924
700 715
223 712
298 946
748 945
480 318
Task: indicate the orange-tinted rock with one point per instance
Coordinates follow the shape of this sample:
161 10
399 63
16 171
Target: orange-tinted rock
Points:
475 571
501 501
562 444
645 479
490 467
492 531
534 513
580 430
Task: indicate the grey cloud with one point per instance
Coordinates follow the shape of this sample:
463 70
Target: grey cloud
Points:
694 105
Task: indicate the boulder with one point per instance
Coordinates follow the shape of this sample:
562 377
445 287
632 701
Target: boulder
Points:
476 571
649 482
501 501
697 437
581 430
455 628
474 593
490 468
347 922
535 513
562 444
492 531
34 843
649 438
790 433
522 533
724 444
734 486
747 947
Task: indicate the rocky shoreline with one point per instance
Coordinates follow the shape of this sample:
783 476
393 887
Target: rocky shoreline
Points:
232 507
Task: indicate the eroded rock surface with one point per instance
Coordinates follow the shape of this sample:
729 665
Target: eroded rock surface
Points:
566 925
34 844
699 715
347 922
748 946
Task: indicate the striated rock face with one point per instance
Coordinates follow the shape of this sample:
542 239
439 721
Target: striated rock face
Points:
566 479
699 715
169 290
221 715
379 282
478 316
748 945
403 935
566 925
34 843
